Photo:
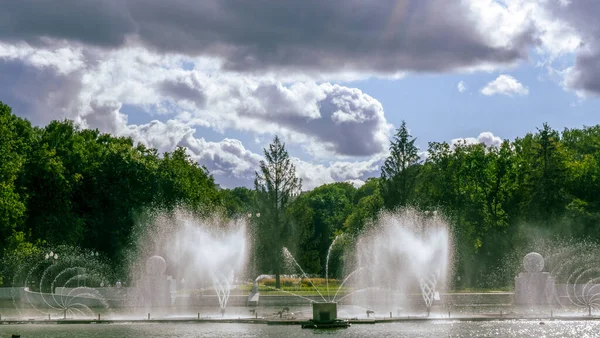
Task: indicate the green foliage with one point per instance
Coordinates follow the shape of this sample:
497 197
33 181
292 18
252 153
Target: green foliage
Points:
14 134
61 185
66 186
368 203
16 253
184 182
276 185
399 172
320 215
238 202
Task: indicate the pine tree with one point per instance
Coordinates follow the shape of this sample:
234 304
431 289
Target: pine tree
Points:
276 185
399 170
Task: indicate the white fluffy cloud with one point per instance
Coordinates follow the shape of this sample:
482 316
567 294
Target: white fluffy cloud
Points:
461 86
486 137
327 120
324 118
356 172
505 85
504 21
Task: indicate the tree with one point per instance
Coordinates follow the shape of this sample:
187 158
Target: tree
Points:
542 177
237 201
583 149
367 204
276 185
185 183
328 207
399 170
12 205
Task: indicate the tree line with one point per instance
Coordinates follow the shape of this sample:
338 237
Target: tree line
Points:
62 185
498 200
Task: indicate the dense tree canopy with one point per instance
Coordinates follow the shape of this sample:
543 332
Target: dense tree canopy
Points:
62 185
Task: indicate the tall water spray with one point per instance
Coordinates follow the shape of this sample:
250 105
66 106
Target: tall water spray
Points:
405 253
200 253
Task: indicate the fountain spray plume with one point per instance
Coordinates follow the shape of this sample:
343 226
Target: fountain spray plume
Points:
405 251
203 251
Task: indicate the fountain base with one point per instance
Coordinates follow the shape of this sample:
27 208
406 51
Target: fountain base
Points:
325 317
337 324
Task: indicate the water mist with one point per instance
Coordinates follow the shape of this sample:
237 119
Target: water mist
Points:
200 254
405 253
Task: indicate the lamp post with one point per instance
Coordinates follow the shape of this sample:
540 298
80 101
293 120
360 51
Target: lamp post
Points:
254 234
51 255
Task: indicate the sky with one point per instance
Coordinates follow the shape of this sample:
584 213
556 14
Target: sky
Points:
333 79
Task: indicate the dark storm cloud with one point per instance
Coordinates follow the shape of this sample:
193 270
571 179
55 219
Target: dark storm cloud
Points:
583 16
382 36
96 22
39 95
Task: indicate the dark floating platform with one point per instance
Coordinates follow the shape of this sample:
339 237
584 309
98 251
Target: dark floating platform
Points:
338 324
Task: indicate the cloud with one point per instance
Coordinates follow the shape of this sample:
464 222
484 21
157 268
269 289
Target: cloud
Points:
322 117
486 137
325 119
356 183
506 20
505 85
350 122
356 172
33 92
233 165
295 35
268 67
584 76
103 23
228 160
184 91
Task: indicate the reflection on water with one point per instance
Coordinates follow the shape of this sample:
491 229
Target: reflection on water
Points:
578 329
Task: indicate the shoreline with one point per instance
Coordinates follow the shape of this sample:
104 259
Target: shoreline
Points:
298 321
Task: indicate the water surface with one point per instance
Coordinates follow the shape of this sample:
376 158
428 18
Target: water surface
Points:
496 329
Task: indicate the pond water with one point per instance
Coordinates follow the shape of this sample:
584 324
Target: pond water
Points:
517 328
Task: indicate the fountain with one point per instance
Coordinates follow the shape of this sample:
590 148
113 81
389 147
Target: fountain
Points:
572 280
324 316
400 262
222 284
206 253
325 312
405 253
62 283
